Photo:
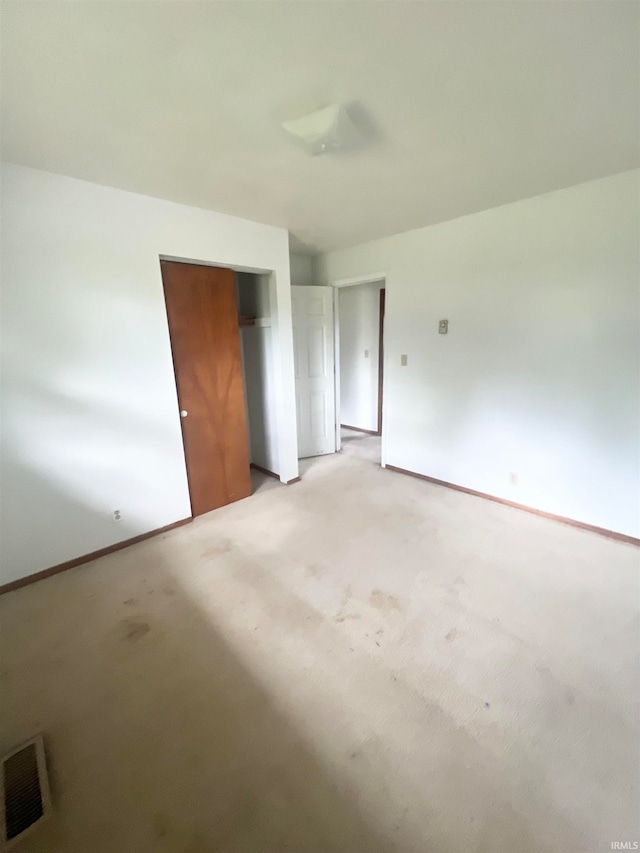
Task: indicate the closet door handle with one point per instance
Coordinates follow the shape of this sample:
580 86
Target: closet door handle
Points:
183 413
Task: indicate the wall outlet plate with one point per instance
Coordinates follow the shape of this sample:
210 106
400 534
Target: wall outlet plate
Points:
443 327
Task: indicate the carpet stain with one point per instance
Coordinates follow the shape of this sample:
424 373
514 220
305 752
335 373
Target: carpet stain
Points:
218 550
130 601
383 601
134 630
455 588
314 570
341 616
451 635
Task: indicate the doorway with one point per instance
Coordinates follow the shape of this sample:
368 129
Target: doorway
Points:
258 364
360 311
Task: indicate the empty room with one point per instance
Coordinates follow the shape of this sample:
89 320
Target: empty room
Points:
320 481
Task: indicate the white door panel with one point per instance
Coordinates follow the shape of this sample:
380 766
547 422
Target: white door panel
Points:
314 367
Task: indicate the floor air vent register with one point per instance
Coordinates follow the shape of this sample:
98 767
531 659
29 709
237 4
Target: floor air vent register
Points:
26 800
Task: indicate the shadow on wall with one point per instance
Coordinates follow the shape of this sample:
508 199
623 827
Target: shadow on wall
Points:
89 410
158 737
58 496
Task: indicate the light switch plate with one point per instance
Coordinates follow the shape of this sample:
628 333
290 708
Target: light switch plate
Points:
403 361
443 327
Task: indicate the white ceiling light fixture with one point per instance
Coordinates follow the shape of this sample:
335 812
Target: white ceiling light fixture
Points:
325 131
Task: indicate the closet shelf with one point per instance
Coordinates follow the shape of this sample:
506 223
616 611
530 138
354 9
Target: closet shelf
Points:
260 322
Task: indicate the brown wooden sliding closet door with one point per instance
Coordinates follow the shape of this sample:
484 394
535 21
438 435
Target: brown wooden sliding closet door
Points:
205 341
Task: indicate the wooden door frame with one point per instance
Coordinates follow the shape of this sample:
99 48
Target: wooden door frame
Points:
352 282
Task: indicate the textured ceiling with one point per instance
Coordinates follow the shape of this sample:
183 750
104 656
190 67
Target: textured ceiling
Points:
469 104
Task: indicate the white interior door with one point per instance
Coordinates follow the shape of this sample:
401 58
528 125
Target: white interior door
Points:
314 364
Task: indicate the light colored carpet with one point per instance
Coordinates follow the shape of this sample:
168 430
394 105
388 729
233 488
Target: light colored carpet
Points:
360 662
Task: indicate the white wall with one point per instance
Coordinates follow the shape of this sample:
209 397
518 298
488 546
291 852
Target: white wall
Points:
539 374
359 312
89 401
302 269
